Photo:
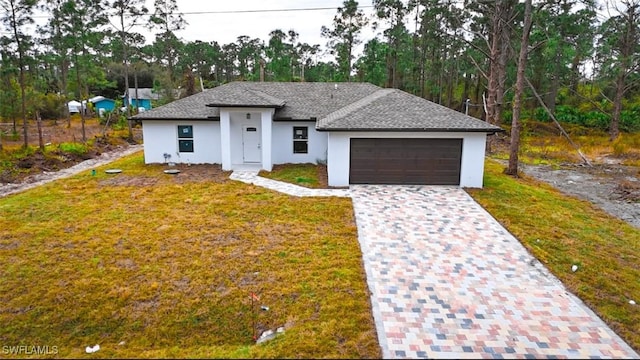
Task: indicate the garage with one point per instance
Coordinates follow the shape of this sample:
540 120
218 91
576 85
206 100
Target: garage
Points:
405 161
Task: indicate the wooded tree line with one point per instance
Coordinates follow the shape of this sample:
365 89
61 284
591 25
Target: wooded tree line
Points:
582 56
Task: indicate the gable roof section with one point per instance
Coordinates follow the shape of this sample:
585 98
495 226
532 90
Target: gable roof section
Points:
293 101
238 96
396 110
334 107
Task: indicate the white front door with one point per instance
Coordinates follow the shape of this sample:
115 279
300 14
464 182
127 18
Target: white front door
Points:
251 144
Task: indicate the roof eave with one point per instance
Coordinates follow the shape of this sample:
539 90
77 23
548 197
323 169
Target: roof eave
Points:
214 118
489 131
245 106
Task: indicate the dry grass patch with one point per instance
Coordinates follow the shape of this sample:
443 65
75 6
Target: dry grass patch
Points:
164 265
543 143
561 231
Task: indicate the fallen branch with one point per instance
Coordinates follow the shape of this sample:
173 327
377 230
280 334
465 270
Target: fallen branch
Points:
584 158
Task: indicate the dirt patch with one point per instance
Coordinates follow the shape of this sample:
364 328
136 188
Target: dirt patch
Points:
323 178
44 177
127 180
612 187
200 173
187 174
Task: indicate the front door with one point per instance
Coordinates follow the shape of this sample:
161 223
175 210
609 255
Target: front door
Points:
251 144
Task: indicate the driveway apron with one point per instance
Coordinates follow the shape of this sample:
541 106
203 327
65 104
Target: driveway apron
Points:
448 281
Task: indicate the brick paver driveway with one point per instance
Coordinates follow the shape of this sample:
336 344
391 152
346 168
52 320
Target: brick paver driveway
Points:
448 281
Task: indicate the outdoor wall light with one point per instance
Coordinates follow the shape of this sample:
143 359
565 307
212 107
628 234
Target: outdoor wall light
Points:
248 116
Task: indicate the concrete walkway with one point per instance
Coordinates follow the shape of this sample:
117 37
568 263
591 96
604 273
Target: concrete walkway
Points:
251 177
448 281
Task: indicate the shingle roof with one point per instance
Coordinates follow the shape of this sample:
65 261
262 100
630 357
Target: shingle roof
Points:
335 106
393 109
143 93
189 108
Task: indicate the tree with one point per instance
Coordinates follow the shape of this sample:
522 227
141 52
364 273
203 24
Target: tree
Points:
129 14
85 24
59 43
17 15
344 36
249 53
280 55
501 19
306 53
512 169
372 66
167 20
202 58
394 12
619 54
10 90
563 39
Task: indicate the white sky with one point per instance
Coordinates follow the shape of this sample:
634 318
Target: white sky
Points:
226 27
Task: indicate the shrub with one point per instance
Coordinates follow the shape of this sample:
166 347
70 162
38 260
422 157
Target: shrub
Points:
569 114
540 114
596 119
51 106
73 148
630 120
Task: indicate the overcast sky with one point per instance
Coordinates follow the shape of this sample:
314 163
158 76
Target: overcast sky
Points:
224 20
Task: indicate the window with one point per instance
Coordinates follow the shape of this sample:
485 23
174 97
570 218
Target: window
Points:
300 140
185 138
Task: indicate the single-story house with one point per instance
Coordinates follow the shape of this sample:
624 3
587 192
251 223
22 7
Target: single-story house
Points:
365 134
102 104
140 98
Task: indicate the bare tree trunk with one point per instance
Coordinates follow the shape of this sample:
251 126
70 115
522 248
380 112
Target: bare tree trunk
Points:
625 66
512 169
555 83
614 127
494 53
505 34
83 106
64 74
39 124
23 96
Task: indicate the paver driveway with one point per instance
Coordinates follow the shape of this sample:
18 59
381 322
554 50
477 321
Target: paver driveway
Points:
448 281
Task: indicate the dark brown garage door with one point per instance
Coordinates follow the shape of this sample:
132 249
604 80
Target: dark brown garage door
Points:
405 161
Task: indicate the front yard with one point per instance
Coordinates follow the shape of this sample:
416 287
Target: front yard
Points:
147 264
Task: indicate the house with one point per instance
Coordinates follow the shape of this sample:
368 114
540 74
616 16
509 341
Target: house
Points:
140 98
365 134
102 104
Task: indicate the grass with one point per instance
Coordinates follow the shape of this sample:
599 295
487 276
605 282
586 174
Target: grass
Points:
150 265
561 231
543 144
307 175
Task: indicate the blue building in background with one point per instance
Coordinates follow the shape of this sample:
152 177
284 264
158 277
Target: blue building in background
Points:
140 98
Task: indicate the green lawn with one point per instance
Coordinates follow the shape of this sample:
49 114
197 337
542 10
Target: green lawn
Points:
147 264
307 175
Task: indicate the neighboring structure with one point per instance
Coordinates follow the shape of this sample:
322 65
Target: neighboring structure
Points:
74 106
102 104
140 98
365 134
